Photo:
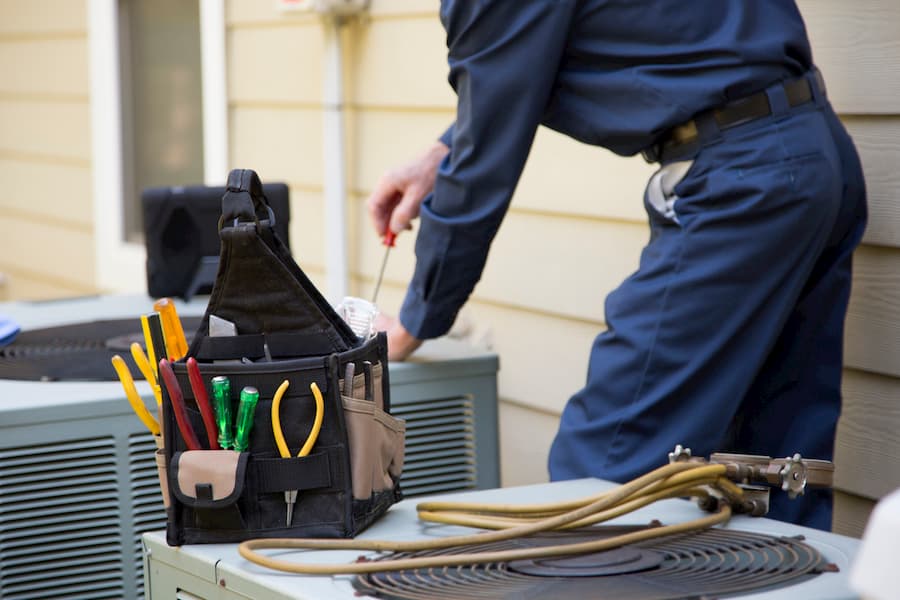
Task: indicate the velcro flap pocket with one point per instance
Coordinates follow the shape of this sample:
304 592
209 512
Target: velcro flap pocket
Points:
208 478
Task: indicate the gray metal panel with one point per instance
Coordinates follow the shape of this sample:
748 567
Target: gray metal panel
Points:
61 516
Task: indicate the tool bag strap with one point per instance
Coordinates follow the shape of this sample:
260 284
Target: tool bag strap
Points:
244 200
315 471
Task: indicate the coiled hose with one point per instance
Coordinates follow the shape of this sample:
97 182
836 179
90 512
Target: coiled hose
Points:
507 522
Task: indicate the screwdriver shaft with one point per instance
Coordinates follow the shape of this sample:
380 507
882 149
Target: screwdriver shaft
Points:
388 241
387 250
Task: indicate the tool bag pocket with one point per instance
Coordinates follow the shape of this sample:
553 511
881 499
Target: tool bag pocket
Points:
209 484
267 327
376 438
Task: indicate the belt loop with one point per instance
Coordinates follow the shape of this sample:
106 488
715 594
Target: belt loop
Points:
817 86
708 130
778 100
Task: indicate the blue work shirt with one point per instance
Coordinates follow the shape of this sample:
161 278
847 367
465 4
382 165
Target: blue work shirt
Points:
611 73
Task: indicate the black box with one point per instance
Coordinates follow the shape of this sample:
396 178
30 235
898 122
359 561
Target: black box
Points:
181 233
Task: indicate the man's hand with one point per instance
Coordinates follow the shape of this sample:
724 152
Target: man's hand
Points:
401 343
397 197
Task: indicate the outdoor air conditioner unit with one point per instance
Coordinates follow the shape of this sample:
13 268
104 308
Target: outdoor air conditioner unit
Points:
78 481
749 558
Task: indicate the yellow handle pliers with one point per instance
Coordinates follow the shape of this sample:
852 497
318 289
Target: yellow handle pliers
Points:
290 496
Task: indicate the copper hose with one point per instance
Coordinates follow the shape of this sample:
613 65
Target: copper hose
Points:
511 521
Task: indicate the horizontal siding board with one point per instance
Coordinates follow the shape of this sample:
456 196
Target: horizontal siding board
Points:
35 246
851 514
544 358
857 47
276 64
525 438
307 229
550 265
872 340
867 452
386 72
24 285
403 8
53 66
63 192
50 129
43 16
878 142
281 145
241 11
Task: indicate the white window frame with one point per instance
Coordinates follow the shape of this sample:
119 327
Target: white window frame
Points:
120 265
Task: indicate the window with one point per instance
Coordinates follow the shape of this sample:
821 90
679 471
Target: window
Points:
162 114
158 117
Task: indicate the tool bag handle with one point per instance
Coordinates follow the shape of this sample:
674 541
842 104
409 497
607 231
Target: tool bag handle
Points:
262 291
244 200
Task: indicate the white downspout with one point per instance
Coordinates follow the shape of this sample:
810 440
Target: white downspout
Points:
215 92
333 154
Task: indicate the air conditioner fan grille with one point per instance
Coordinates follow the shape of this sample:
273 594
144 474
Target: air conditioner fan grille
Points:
708 563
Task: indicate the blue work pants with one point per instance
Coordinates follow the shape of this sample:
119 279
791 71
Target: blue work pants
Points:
729 335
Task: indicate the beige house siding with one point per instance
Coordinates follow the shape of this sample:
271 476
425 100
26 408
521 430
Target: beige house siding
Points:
855 44
45 150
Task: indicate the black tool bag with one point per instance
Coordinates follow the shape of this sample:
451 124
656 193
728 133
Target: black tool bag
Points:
285 330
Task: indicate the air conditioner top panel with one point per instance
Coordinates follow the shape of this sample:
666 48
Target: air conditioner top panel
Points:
20 401
222 562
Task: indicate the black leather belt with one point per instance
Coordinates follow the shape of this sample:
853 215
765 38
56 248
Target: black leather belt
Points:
731 115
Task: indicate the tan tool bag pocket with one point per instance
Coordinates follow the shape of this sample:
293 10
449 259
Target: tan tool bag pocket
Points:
209 483
376 439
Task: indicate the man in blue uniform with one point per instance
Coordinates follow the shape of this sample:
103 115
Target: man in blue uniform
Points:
729 335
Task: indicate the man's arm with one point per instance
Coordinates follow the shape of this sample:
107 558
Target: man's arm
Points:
503 56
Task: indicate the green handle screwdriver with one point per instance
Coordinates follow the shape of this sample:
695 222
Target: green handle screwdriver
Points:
246 408
221 387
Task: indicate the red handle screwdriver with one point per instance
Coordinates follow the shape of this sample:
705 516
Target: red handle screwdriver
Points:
175 395
202 398
388 241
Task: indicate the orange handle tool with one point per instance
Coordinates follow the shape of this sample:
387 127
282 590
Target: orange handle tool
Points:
176 344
